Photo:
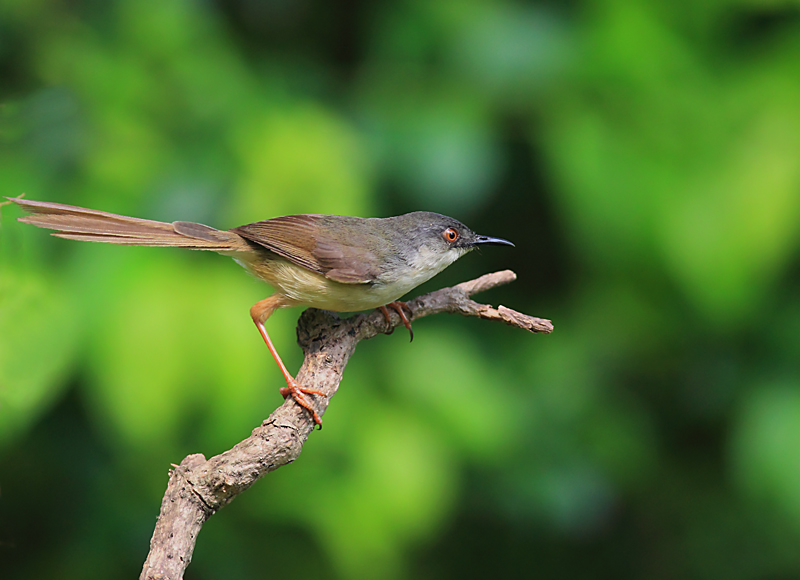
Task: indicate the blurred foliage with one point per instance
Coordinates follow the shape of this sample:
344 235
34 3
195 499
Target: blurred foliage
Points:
643 156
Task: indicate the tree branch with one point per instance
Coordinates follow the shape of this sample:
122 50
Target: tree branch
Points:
198 487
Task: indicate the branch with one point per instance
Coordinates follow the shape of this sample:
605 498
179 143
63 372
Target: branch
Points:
198 487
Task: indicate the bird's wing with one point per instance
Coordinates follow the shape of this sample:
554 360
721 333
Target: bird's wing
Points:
309 241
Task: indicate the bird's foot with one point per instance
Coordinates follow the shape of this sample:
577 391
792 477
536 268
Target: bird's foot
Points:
400 308
298 393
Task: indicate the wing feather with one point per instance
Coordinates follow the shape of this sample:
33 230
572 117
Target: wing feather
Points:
313 242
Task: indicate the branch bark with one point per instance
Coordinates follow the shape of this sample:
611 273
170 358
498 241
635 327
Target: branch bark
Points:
199 487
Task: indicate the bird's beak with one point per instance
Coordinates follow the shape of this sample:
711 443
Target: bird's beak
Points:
490 240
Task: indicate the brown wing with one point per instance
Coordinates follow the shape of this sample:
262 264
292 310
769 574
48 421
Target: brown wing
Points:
311 241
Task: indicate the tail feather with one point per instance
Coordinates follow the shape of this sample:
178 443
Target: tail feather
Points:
89 225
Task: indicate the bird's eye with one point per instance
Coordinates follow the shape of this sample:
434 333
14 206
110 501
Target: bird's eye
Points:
450 235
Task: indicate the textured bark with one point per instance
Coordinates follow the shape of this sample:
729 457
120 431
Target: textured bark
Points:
198 487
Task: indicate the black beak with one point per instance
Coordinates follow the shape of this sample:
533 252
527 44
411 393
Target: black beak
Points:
490 240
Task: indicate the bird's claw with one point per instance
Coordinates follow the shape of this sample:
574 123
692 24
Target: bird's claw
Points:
298 393
400 308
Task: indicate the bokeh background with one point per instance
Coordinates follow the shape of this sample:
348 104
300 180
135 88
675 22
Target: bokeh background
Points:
643 156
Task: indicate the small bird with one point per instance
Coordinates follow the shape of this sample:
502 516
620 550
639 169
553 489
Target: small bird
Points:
331 262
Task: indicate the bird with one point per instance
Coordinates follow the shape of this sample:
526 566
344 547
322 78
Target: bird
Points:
330 262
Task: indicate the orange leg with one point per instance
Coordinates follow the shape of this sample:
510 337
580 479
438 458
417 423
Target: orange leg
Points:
260 312
398 307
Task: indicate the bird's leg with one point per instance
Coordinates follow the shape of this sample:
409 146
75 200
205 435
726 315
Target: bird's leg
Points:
398 307
260 312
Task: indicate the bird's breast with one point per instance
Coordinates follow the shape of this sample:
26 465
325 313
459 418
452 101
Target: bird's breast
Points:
302 286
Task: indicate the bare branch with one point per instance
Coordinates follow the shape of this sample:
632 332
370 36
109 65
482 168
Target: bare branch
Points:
456 300
198 487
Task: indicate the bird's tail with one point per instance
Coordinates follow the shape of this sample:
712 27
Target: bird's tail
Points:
89 225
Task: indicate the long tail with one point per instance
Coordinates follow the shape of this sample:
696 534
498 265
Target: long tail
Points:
89 225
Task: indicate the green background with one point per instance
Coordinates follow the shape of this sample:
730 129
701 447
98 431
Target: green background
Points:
643 156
